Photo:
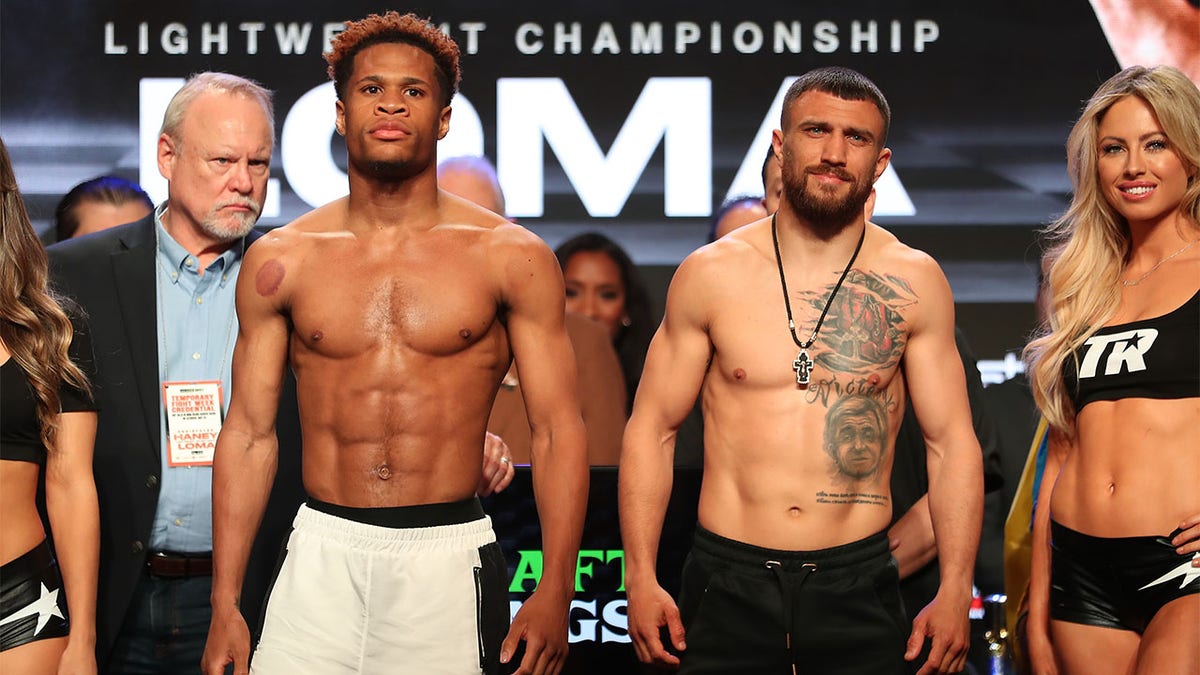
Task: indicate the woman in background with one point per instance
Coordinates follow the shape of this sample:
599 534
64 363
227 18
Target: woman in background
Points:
1115 578
603 284
47 419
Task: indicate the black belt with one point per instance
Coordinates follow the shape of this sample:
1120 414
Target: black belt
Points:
179 566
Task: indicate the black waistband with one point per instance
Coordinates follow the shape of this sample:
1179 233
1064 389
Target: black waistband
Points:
418 515
34 560
863 550
1086 544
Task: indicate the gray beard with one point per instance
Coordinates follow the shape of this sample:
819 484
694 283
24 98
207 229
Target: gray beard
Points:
221 232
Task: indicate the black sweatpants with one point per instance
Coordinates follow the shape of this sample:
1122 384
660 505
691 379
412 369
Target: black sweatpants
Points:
757 611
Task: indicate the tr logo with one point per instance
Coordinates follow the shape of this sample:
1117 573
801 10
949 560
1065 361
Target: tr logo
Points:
1127 351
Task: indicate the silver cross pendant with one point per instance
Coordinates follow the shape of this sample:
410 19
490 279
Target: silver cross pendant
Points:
803 367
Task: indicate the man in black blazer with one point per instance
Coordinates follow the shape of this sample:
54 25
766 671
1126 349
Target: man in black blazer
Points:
215 148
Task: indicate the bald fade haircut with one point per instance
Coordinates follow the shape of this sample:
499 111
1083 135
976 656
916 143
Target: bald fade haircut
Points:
844 83
391 28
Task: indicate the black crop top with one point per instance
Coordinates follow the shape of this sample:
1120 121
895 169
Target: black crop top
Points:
20 429
1150 358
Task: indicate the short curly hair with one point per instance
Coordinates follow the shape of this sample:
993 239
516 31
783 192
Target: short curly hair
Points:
391 27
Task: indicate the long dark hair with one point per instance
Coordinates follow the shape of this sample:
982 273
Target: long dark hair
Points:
632 340
35 329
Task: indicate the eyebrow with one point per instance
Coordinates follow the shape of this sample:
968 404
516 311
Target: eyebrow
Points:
379 79
1140 138
815 122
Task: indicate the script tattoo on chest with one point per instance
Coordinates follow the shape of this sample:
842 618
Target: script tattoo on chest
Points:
864 330
825 389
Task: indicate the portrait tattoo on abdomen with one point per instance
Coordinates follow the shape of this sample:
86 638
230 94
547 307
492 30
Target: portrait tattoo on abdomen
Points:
856 439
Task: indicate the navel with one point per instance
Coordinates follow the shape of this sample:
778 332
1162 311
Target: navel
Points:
794 512
383 471
269 277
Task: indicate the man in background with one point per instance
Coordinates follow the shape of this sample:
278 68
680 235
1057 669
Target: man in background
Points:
159 297
98 204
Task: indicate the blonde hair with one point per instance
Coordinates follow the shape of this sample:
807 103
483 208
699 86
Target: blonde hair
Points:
1090 243
33 325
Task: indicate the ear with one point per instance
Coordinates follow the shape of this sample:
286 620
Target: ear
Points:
777 144
881 162
168 152
339 120
444 123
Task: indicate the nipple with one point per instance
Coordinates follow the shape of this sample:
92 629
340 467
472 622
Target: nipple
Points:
317 335
739 374
465 333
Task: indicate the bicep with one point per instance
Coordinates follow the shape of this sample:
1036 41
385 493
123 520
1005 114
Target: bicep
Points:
935 376
678 357
259 356
533 291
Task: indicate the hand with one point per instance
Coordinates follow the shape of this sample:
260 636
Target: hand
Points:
77 659
947 623
228 642
497 466
1188 539
648 612
542 624
911 539
1041 652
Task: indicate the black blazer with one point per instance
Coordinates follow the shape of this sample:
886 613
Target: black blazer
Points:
111 276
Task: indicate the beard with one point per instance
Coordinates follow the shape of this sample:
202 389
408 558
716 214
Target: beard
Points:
826 214
233 226
387 170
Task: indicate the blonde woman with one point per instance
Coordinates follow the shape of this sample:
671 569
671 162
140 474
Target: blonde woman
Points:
47 420
1115 579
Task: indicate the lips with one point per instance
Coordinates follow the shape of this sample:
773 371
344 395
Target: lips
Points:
389 131
826 171
860 456
1136 191
244 206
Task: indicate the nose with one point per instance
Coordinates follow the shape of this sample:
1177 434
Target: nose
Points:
833 152
392 104
588 305
239 178
1135 164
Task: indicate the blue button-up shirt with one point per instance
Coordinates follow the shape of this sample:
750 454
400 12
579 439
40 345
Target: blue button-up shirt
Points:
197 328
